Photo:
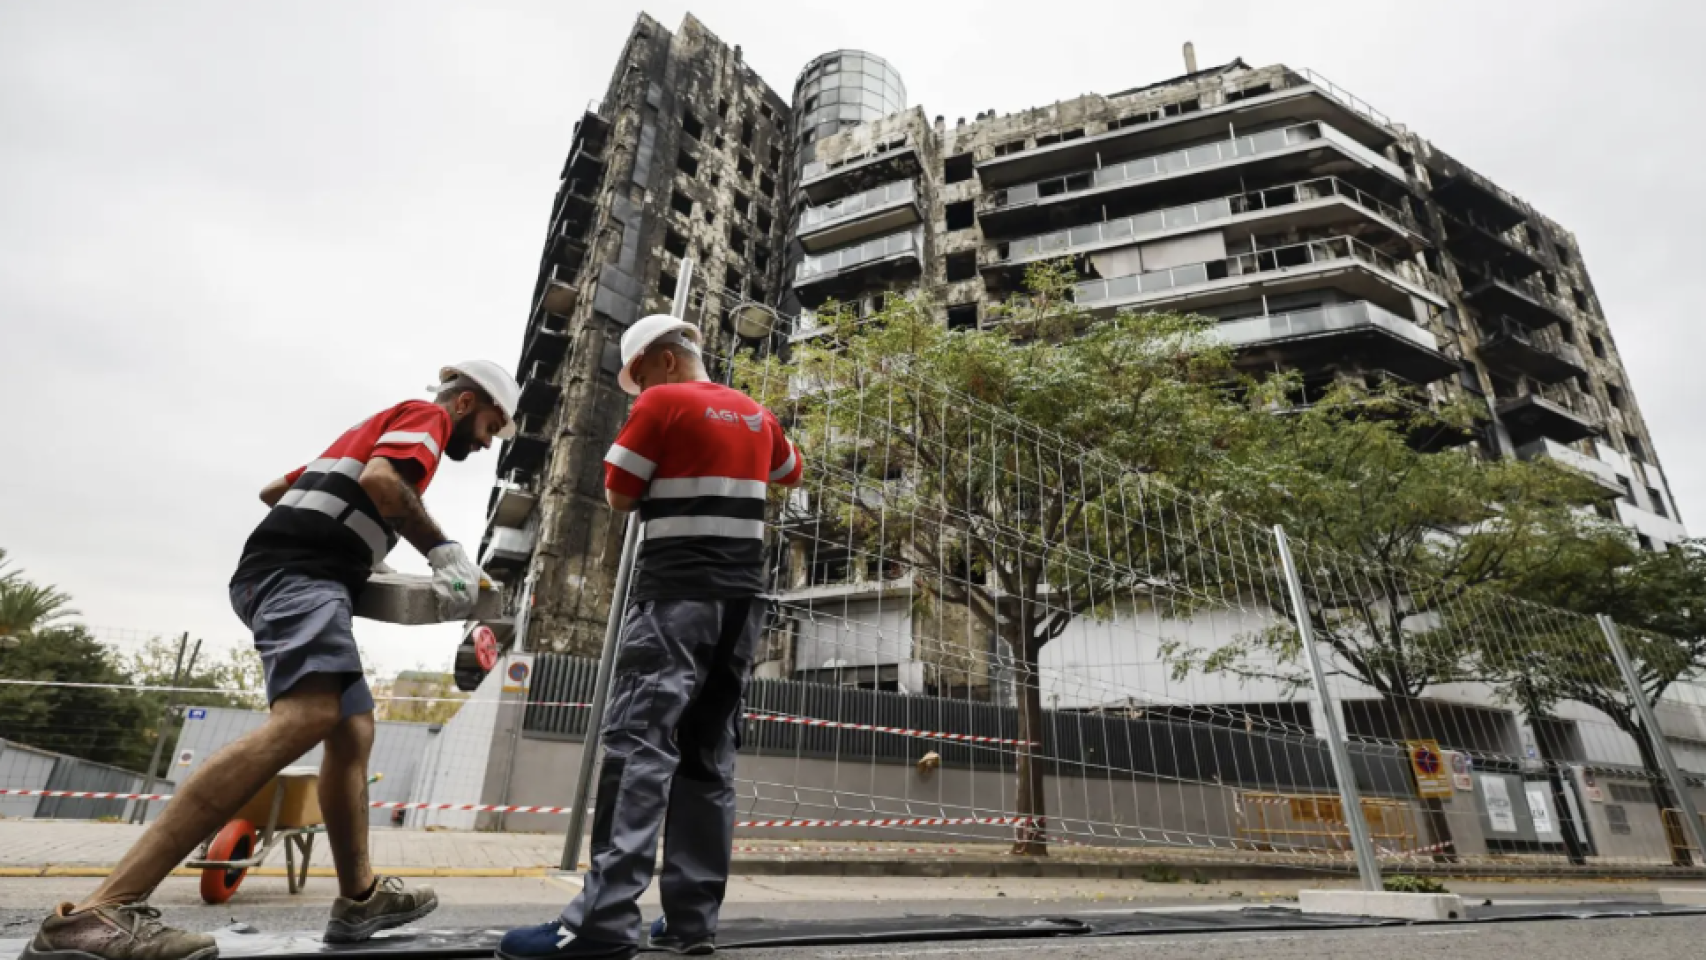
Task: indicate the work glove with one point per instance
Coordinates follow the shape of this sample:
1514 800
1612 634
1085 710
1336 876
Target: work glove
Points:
455 580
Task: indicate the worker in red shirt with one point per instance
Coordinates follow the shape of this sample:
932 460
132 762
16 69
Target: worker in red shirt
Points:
328 526
696 459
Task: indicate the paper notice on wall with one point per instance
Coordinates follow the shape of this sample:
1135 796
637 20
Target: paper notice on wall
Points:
1540 808
1500 814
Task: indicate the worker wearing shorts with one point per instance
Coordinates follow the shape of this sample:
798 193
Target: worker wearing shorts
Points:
329 525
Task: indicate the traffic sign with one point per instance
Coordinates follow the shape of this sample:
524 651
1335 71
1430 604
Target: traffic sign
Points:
1428 764
197 713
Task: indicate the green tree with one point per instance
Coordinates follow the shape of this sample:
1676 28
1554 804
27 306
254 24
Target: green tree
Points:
1659 602
1412 534
923 440
105 725
26 606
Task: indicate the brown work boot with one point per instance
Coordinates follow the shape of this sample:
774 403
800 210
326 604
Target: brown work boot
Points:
391 904
129 931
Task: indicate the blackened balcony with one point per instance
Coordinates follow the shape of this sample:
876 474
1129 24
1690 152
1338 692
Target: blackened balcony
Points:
1465 192
1301 149
824 180
539 389
507 549
1532 417
896 257
567 248
1323 201
557 292
547 341
1344 263
1325 335
1519 301
1262 99
1472 240
1514 348
526 451
511 501
874 212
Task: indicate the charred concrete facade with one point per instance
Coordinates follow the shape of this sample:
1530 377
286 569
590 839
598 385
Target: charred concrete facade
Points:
1323 236
685 156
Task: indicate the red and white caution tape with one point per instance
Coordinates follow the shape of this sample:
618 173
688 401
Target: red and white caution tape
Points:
899 731
502 808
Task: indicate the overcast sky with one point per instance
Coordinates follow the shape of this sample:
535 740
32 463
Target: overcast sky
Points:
228 231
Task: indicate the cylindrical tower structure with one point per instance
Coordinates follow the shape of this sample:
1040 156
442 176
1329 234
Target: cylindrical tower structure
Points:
842 89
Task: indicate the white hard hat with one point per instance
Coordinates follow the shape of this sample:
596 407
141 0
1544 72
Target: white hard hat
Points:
497 383
645 332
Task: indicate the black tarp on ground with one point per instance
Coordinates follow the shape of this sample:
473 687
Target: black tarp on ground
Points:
471 943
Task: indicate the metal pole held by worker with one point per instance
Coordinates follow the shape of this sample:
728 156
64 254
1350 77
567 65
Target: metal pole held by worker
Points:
612 638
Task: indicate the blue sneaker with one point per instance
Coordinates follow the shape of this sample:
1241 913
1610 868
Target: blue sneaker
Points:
662 939
555 941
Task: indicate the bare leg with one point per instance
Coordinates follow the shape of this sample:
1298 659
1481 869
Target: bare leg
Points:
299 720
343 802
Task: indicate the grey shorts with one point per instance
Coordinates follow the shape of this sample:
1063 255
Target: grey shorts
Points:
302 626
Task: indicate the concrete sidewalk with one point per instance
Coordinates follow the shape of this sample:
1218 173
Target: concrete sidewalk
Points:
31 848
37 848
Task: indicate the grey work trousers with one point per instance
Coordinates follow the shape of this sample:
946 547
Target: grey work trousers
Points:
669 762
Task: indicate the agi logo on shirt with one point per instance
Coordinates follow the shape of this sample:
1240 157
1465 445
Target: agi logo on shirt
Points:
755 423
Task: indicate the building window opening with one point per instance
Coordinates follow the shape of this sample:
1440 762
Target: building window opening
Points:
743 204
691 126
737 240
958 168
1580 298
746 133
674 243
962 266
744 166
687 163
1597 345
764 220
681 203
962 316
722 109
666 283
961 215
767 183
732 280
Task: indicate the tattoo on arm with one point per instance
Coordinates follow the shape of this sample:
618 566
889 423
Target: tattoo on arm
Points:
401 506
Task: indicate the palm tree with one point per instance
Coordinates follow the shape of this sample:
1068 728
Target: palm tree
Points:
27 607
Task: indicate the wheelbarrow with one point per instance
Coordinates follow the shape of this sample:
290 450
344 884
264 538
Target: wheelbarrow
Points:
289 808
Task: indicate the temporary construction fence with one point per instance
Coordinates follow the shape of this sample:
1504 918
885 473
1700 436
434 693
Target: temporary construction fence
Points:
982 630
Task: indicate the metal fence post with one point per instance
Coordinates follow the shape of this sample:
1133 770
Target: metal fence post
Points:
140 813
1650 721
612 638
1368 867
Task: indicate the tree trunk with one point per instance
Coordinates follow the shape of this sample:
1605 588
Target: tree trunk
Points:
1433 811
1031 835
1679 846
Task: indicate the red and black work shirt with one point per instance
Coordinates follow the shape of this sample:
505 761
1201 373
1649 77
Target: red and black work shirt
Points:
325 525
700 456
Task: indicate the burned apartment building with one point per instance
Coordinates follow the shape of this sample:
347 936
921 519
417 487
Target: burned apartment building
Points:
1323 236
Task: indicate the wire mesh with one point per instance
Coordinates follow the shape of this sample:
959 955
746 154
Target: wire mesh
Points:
984 632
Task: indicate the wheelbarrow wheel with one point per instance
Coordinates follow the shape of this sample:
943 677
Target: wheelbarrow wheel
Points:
234 841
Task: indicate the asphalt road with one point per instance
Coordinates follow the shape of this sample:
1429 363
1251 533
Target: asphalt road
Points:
488 904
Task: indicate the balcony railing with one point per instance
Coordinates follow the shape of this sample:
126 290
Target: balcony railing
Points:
1270 260
819 168
1147 168
877 198
870 251
1604 473
1062 242
1328 318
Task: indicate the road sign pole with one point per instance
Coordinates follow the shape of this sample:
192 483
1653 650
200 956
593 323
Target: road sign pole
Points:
1362 845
